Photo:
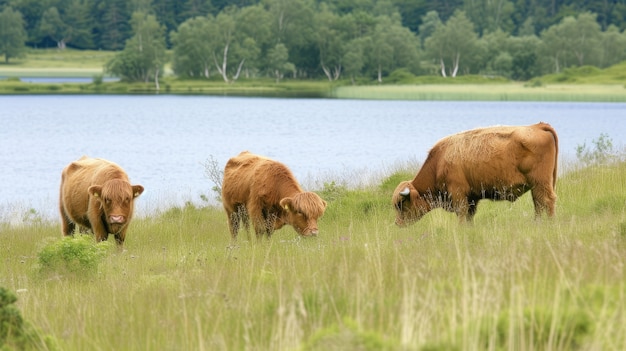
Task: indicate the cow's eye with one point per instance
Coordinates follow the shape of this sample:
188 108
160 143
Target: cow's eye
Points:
107 201
399 205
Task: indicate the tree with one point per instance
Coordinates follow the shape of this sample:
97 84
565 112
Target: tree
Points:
52 26
490 15
225 33
112 19
278 63
430 22
330 39
391 47
613 46
523 51
353 57
573 41
12 34
193 48
143 56
451 43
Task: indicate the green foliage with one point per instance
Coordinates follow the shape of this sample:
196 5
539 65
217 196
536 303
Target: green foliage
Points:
400 76
12 34
15 332
11 321
77 255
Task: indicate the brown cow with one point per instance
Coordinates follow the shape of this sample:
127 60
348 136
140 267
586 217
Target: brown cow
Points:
497 163
96 195
266 192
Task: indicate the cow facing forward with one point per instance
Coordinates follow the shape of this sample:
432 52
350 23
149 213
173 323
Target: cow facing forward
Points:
265 192
96 195
496 163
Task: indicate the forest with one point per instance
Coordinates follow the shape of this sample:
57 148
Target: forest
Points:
356 40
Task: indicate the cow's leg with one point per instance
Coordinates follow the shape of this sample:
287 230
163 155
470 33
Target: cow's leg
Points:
233 223
544 198
98 228
120 237
67 226
471 210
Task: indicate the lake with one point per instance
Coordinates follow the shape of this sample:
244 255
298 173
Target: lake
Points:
164 142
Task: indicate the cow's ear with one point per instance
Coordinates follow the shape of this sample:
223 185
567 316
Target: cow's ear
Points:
137 190
95 190
286 204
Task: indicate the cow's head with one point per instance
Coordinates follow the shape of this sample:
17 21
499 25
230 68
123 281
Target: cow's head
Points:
409 205
116 198
302 212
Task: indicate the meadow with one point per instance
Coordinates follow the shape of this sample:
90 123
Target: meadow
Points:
507 282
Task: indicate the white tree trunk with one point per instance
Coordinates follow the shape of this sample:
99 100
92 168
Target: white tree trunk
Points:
443 67
456 64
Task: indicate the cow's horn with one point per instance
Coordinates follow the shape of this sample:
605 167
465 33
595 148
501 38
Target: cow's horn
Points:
405 192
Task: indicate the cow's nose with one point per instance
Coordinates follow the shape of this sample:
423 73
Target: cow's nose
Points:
117 219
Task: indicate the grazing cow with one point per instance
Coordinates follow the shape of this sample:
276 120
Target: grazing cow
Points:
497 163
96 195
265 192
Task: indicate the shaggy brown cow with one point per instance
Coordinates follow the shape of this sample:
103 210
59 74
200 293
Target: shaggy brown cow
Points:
266 192
497 163
96 195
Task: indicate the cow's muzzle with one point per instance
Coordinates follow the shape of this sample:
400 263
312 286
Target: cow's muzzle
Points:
119 219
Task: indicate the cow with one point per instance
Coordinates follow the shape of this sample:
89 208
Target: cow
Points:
96 194
263 191
496 163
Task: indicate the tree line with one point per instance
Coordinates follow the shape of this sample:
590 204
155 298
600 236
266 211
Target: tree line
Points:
335 39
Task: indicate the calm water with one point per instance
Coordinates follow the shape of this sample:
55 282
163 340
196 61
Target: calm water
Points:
163 142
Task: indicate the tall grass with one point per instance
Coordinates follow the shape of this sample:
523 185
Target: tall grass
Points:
506 282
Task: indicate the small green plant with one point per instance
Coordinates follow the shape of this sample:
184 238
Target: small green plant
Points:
602 153
215 173
332 191
73 255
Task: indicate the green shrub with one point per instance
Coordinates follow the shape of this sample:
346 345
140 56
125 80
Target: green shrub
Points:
73 255
15 333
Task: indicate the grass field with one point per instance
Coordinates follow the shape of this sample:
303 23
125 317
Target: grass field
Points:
507 282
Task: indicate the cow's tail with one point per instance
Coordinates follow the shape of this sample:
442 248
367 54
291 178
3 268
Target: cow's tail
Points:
548 128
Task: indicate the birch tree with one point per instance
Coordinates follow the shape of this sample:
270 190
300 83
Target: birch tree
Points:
452 42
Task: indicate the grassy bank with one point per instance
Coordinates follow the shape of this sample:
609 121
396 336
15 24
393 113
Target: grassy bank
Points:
576 84
507 282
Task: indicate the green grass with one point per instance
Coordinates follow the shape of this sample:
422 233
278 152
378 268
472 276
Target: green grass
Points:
506 282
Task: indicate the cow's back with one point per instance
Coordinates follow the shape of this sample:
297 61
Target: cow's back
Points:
494 154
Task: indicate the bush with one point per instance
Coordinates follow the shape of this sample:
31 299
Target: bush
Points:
15 333
73 255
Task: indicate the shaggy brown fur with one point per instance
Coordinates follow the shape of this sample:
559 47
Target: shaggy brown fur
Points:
96 195
266 192
497 163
